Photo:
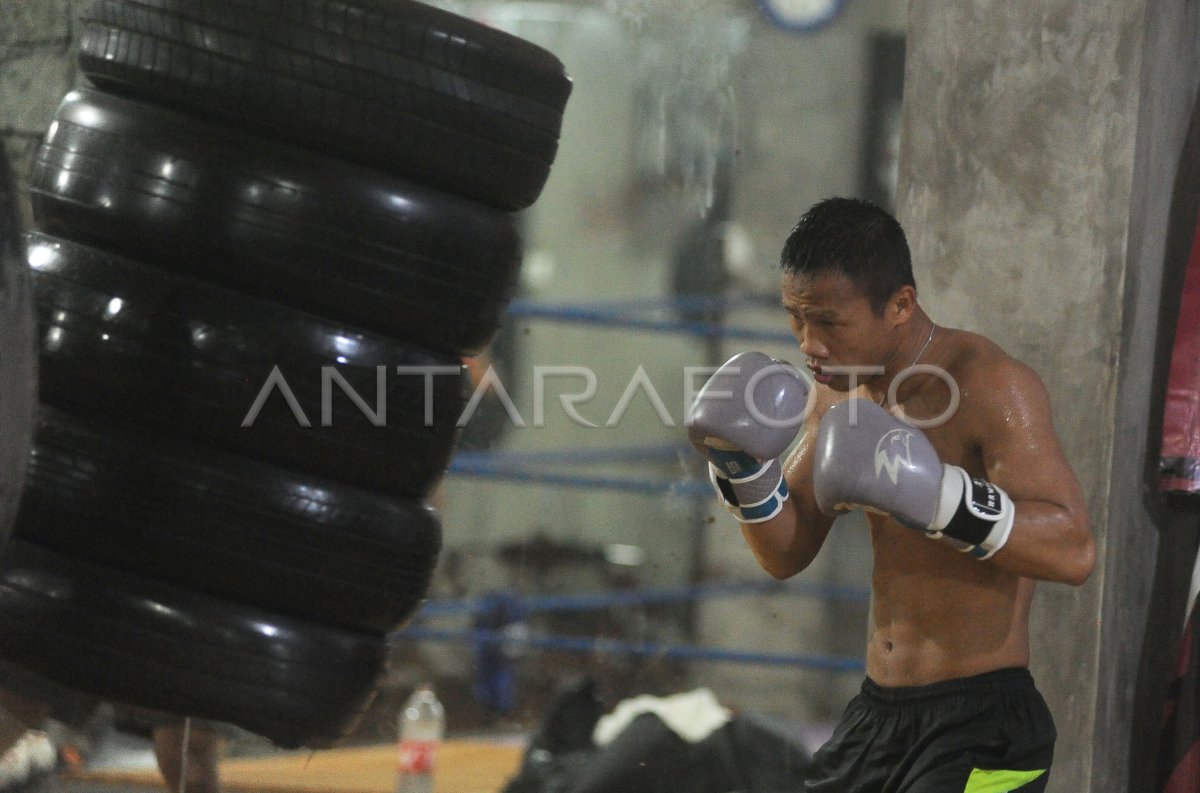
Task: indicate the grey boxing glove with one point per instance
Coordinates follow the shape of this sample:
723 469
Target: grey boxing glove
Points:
867 458
743 418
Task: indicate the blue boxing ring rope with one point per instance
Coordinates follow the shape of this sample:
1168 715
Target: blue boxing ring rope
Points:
655 596
517 609
675 652
499 621
528 466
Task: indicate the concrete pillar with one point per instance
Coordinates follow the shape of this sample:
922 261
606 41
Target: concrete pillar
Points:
37 66
1041 144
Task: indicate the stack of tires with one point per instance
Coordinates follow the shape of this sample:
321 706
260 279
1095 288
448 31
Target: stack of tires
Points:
266 236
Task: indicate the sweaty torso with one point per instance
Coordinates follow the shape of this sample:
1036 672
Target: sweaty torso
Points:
937 613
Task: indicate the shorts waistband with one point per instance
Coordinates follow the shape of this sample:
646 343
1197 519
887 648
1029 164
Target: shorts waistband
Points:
1000 680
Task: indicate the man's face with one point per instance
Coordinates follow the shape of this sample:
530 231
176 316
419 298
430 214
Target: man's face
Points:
835 326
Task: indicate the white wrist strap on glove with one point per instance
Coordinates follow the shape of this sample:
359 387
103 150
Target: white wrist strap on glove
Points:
754 498
974 515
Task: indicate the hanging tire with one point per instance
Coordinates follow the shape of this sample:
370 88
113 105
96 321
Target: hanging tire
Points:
411 89
124 340
226 525
276 221
131 639
18 362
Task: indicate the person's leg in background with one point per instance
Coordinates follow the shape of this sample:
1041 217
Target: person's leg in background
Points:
200 764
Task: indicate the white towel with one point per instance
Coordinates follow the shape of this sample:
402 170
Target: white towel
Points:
692 715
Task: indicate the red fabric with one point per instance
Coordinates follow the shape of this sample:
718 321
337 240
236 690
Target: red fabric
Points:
1186 777
1179 468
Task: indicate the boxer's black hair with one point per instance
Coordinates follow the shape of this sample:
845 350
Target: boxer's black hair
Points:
855 238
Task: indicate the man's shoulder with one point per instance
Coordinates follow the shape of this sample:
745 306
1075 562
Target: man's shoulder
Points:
972 355
986 374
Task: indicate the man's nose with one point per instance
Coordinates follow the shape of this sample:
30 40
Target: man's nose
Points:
811 346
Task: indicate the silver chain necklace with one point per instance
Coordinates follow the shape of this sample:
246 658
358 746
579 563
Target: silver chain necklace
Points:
924 347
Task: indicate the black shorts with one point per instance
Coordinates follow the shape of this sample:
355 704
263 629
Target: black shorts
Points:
991 732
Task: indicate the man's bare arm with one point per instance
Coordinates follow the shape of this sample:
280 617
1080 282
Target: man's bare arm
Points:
1052 536
789 542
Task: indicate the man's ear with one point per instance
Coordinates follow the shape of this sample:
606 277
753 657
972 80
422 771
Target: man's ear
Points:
902 305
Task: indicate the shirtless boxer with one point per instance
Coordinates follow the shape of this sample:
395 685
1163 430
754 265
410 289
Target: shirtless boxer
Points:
966 512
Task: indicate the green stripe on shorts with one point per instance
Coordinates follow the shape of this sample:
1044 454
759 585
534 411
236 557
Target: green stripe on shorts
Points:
982 781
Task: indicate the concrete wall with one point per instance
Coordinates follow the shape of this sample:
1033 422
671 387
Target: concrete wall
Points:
36 69
1040 148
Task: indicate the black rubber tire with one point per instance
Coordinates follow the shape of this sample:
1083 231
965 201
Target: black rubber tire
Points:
132 639
226 525
276 221
18 361
128 341
411 89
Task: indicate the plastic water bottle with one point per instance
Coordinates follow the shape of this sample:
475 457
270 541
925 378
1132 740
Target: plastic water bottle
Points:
422 725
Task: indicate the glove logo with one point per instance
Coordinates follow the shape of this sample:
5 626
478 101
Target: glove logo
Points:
891 452
985 499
